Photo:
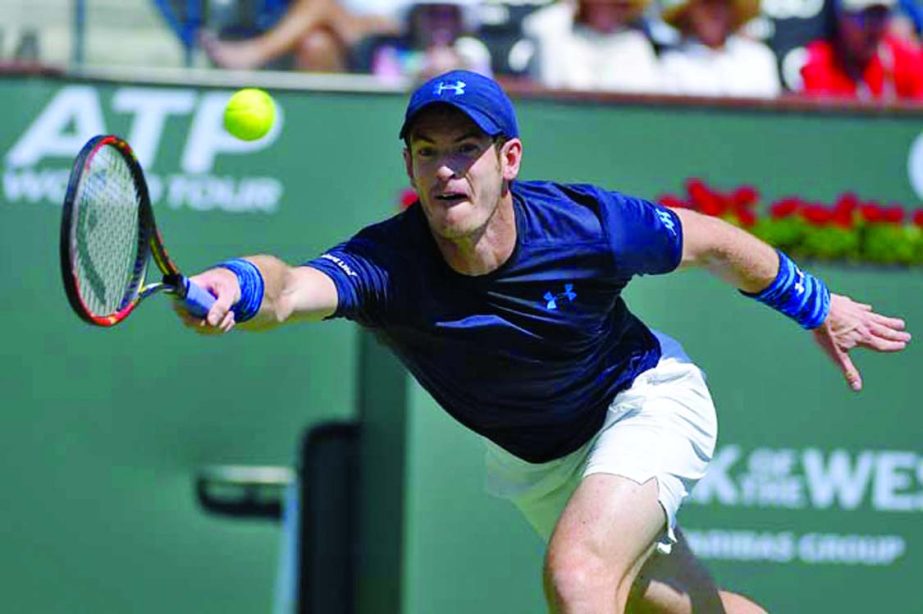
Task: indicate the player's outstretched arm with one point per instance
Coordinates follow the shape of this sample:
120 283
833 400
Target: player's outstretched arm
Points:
838 323
262 292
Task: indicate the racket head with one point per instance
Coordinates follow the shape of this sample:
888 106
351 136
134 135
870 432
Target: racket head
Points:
107 227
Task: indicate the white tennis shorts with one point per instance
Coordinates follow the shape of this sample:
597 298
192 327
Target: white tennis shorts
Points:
663 426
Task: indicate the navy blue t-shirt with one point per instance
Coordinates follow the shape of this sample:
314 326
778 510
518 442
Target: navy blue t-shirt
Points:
531 354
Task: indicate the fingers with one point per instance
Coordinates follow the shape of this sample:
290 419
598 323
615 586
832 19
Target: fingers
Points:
886 339
227 322
889 332
831 346
854 324
883 345
844 303
851 324
853 379
221 309
201 325
895 323
223 285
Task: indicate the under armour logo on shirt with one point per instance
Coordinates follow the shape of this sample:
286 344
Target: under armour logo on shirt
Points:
667 220
551 300
458 88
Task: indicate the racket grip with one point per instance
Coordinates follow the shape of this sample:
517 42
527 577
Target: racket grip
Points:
197 300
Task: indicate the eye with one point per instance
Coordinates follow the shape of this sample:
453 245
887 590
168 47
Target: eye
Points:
425 151
469 148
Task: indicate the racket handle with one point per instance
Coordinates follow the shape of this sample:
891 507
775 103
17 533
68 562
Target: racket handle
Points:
197 300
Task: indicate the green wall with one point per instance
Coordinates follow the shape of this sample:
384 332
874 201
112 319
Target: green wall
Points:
104 429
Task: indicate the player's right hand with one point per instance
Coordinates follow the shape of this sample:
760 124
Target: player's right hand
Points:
224 286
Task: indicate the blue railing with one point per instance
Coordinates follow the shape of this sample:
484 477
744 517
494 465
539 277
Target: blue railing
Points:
186 25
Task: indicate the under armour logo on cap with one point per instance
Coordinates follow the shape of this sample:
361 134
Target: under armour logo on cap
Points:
458 88
477 96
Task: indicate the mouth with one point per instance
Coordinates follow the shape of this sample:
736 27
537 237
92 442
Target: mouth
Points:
451 198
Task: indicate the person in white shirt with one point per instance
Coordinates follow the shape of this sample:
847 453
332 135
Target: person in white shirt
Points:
592 45
712 58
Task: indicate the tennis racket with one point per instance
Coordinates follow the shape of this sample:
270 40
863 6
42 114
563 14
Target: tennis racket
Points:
108 236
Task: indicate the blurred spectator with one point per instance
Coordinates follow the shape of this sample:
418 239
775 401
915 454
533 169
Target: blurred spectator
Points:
862 59
592 45
908 23
500 28
435 40
712 58
787 27
317 33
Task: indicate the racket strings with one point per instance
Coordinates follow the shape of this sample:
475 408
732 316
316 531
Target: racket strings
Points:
106 235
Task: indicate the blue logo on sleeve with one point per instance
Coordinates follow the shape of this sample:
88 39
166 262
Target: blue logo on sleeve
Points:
667 220
551 300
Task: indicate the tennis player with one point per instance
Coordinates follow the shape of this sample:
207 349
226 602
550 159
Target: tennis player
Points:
502 297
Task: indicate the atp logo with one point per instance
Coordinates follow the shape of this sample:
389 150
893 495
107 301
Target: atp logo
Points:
457 88
189 176
667 220
551 300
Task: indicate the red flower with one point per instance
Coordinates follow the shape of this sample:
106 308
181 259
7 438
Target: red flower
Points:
817 215
744 196
844 209
918 217
704 199
894 214
847 201
747 218
871 212
695 184
842 219
785 207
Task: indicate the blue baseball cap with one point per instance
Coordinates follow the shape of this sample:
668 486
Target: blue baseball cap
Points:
479 97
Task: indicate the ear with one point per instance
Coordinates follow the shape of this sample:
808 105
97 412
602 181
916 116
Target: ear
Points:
408 166
510 158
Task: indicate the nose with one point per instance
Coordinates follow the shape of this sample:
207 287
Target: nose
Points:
446 170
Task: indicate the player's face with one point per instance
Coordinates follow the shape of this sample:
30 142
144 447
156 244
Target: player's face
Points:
460 174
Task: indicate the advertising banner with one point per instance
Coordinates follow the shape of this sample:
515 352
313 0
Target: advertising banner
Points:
814 499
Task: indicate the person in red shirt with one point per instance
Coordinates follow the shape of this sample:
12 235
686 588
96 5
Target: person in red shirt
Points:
862 59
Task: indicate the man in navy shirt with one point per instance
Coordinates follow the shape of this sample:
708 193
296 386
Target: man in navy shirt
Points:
503 299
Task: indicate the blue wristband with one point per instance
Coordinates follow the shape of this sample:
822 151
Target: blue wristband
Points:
251 288
797 294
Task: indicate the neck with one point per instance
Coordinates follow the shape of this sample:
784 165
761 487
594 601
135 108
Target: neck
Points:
716 43
487 249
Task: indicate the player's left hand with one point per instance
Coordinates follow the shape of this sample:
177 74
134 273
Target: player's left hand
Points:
850 325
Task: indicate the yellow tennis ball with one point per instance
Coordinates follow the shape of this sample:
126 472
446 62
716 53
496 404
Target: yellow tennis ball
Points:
249 114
